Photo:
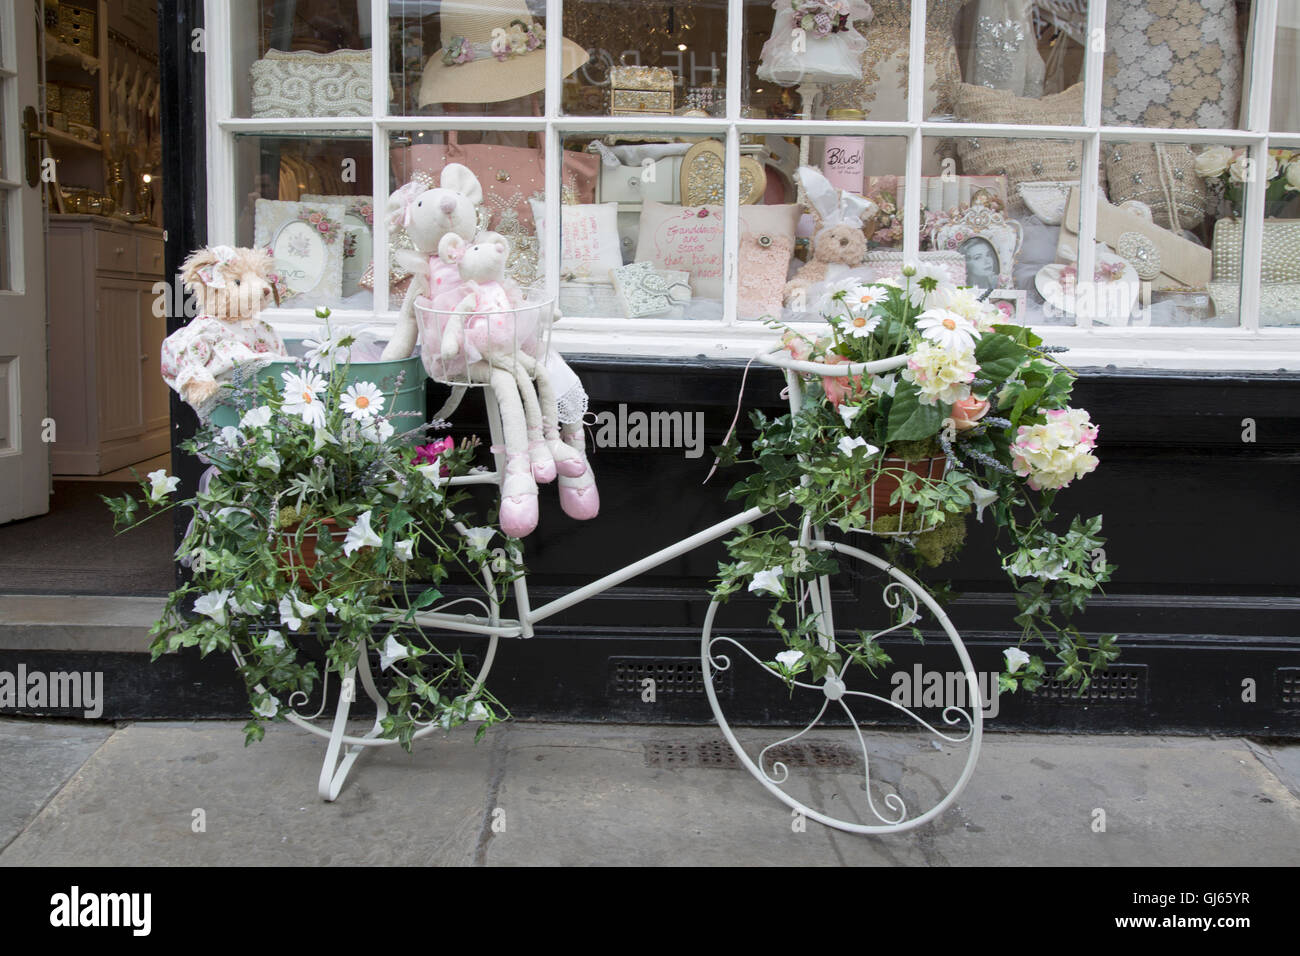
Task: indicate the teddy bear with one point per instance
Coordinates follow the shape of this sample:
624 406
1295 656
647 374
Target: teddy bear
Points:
427 215
839 245
227 340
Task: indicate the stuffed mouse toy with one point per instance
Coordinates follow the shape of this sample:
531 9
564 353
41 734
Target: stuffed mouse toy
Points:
227 340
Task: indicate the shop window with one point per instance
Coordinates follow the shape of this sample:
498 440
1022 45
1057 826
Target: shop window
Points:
1015 144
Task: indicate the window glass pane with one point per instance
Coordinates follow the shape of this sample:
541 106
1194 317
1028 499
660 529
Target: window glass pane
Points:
308 58
1171 216
673 56
1005 222
1174 63
5 251
509 168
1280 290
307 200
650 241
470 57
1285 114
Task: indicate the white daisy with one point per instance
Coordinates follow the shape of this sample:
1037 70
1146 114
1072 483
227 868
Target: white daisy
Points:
926 280
302 397
864 298
361 535
363 400
952 332
768 580
860 326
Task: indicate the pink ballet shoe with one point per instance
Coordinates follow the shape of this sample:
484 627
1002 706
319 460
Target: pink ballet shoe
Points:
579 498
518 498
543 464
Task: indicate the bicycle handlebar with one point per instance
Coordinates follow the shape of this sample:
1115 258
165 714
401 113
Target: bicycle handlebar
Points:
780 358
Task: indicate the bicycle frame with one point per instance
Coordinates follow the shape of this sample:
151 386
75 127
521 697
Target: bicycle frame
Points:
528 616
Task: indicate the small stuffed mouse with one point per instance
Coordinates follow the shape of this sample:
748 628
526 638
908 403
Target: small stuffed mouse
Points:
227 339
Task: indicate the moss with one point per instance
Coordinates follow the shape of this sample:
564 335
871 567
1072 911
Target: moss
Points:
942 543
915 450
289 517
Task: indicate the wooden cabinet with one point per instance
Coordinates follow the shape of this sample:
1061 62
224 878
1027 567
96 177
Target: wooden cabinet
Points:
107 398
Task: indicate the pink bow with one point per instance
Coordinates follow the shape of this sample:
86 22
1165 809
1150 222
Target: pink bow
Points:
399 204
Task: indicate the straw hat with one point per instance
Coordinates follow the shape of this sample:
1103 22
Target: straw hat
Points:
483 78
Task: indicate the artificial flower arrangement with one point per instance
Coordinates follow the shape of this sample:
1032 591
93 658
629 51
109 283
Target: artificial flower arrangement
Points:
978 420
320 514
1229 170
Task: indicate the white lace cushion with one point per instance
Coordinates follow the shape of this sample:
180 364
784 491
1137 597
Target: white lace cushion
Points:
311 84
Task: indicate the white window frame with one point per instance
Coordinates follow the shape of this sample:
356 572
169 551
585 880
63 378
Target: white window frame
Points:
1246 347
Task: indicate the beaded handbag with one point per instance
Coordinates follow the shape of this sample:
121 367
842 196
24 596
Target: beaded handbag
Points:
1280 270
1163 177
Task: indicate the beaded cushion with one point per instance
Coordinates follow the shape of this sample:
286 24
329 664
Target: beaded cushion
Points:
1019 160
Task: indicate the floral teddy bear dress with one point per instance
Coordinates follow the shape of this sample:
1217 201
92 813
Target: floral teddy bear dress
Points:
209 349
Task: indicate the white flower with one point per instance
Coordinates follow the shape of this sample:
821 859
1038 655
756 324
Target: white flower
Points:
293 612
847 444
789 658
331 607
883 384
768 580
270 461
258 417
431 473
392 651
1293 174
1036 564
361 535
983 498
274 639
1053 454
860 326
848 413
1239 169
377 430
927 280
160 485
248 606
940 375
404 550
479 711
325 352
267 708
1212 161
213 604
363 400
479 537
302 397
231 436
1016 658
954 332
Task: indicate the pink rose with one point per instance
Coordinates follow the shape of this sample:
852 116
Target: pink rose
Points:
797 345
968 411
842 388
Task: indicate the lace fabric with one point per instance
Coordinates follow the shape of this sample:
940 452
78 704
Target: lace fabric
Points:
1004 54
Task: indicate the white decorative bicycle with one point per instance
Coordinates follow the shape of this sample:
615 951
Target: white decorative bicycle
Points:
856 800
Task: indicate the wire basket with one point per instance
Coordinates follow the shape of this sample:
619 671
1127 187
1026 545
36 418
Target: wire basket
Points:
459 348
882 489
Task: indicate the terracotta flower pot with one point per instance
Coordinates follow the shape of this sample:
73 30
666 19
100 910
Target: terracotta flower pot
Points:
883 488
303 558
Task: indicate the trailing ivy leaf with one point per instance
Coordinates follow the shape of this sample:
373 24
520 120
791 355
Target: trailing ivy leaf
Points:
1020 334
909 420
1026 399
999 357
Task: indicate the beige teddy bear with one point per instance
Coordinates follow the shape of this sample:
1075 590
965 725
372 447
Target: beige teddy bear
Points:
227 339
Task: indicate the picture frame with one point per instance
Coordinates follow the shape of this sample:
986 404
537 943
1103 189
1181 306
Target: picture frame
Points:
306 240
358 236
884 263
987 240
1017 299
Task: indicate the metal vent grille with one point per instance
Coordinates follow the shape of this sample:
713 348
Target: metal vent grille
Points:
718 755
673 677
1288 687
1118 684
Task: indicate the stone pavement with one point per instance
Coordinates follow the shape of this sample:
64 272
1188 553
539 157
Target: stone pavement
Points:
93 794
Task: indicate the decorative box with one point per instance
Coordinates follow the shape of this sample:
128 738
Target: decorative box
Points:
53 98
303 83
77 27
77 103
640 90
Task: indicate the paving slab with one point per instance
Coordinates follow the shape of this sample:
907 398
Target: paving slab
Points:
36 758
566 794
134 803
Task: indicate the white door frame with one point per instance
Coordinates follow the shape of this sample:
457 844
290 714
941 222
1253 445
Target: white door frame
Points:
24 455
